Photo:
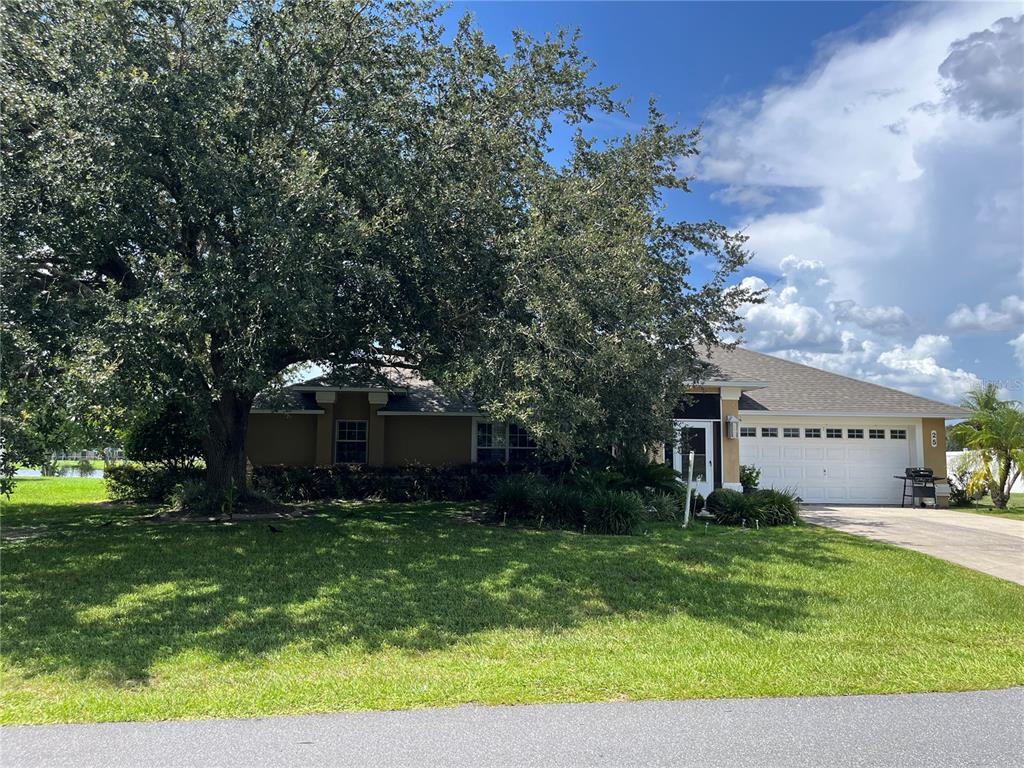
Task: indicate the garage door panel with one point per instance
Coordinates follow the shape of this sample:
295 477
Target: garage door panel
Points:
845 469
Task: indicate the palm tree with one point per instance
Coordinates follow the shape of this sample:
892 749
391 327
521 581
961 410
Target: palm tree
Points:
995 429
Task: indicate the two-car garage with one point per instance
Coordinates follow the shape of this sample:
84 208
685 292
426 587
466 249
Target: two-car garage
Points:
839 461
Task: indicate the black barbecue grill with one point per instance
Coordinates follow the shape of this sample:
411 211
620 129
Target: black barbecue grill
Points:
918 483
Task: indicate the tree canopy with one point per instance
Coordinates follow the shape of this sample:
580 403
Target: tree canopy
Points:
201 193
995 432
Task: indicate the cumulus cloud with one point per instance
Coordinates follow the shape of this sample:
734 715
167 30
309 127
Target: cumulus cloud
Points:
887 320
885 187
897 199
799 321
983 317
985 70
1018 349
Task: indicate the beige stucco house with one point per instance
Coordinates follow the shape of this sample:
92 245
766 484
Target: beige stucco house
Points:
828 437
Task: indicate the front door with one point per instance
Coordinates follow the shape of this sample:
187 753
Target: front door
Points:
696 436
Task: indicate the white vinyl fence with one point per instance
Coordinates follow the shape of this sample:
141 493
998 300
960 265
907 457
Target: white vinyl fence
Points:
952 456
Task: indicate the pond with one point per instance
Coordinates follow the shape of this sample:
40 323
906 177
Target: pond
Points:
61 472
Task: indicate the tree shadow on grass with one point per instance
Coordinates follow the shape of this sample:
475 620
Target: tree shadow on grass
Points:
110 602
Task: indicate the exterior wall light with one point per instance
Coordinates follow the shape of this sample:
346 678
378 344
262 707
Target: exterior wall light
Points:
734 427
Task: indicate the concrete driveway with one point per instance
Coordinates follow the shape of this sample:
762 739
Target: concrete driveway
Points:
984 543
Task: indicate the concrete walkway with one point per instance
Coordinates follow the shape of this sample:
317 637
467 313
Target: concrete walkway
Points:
955 729
986 544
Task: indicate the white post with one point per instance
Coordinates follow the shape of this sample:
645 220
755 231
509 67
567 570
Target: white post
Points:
689 492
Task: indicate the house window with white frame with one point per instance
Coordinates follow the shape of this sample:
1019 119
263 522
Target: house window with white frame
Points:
496 441
350 442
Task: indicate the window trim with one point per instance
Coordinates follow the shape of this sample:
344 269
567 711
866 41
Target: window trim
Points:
748 430
851 430
902 433
816 436
791 429
829 430
475 447
876 433
770 436
365 441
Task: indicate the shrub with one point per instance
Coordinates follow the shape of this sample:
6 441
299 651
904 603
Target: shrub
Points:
636 472
518 497
85 468
665 507
131 482
728 506
750 476
563 505
413 482
191 496
170 434
774 507
615 512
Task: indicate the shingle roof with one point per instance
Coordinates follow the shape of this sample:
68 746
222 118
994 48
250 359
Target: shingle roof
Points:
796 388
791 388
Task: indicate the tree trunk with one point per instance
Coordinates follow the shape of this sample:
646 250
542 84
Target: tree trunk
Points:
224 445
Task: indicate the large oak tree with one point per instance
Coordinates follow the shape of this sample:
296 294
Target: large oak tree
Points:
200 194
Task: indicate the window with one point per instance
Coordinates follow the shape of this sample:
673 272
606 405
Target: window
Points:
521 447
769 431
491 441
876 434
498 442
855 434
897 434
748 431
812 432
791 431
350 442
832 432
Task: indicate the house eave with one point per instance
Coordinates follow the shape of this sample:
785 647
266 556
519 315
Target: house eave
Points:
289 412
857 414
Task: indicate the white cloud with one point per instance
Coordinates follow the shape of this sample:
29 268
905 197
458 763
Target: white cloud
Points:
983 317
1018 349
907 150
799 321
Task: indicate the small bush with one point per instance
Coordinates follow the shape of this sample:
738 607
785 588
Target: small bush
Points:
750 476
191 496
615 512
562 505
665 507
518 497
85 468
774 507
130 482
728 506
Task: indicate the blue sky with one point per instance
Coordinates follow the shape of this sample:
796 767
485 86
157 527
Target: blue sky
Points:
872 151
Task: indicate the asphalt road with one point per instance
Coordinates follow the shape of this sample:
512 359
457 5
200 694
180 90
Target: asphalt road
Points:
959 729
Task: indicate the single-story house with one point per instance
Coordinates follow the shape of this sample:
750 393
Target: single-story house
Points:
829 437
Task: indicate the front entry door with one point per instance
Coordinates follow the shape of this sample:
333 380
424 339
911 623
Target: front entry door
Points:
696 436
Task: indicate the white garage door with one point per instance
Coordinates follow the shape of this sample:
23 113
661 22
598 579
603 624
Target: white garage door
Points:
829 464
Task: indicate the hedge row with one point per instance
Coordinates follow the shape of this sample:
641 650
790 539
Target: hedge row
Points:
412 482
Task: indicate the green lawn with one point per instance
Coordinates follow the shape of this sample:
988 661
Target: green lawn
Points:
1014 509
373 606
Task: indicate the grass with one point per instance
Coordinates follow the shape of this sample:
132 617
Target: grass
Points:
376 606
1014 509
